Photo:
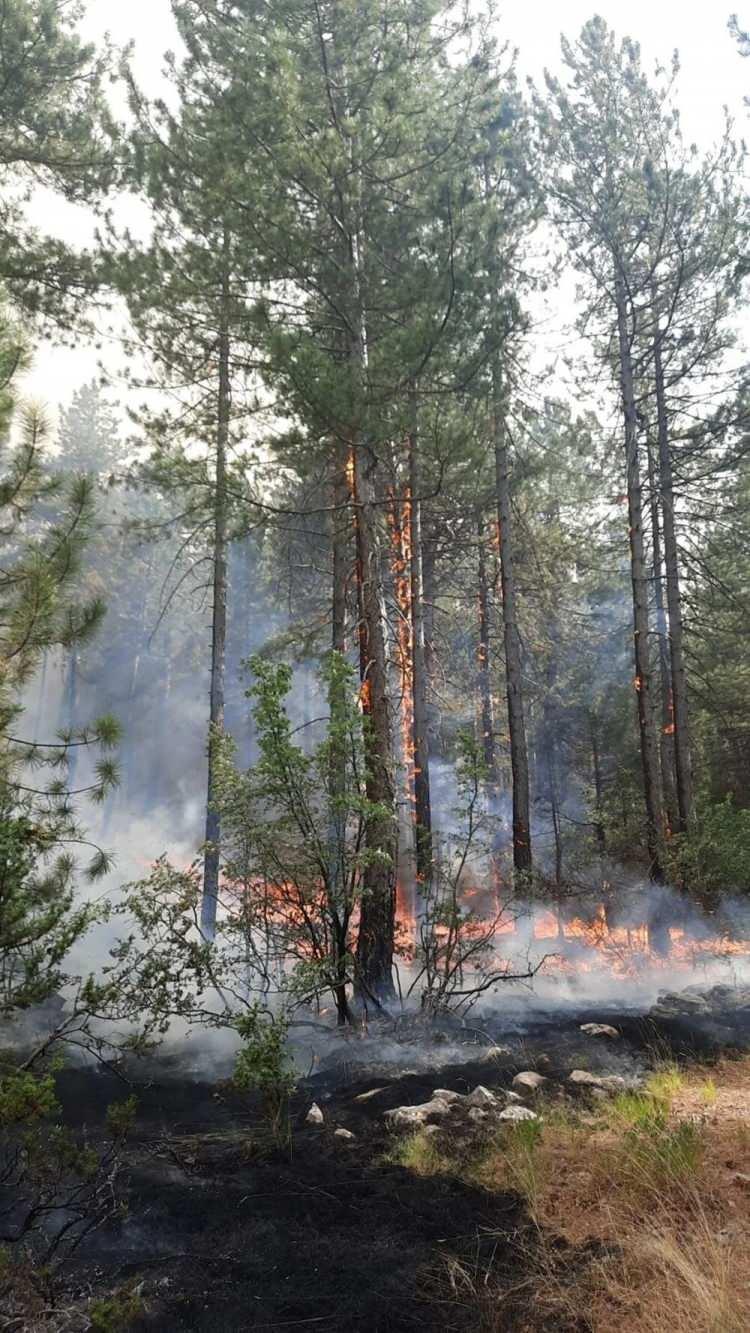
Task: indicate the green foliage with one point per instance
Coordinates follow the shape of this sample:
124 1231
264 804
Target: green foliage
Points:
713 857
263 1064
55 129
117 1312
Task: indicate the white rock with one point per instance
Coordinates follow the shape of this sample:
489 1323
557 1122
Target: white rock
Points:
445 1095
583 1079
477 1115
314 1115
609 1082
516 1113
343 1134
481 1097
496 1052
599 1030
513 1097
411 1117
365 1096
529 1080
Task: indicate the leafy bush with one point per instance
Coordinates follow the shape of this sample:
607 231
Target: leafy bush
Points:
714 856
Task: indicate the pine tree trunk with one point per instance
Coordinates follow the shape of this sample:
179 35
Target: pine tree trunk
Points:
519 759
484 673
428 619
666 743
649 751
596 765
375 940
683 758
422 802
219 627
340 538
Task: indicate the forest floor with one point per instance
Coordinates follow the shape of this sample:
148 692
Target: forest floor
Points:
630 1212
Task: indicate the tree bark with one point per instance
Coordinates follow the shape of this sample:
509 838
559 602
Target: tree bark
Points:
337 869
519 759
682 753
422 801
212 853
649 751
375 940
666 742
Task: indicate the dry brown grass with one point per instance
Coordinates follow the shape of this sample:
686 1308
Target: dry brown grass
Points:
647 1196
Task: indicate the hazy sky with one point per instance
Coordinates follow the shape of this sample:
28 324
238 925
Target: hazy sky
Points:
713 75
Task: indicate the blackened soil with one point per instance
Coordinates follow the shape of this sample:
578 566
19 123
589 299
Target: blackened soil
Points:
229 1233
232 1234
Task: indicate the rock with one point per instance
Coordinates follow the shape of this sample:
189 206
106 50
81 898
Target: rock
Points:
529 1080
412 1117
343 1134
599 1030
513 1097
496 1052
445 1095
314 1115
477 1115
611 1083
516 1113
365 1096
740 1178
481 1097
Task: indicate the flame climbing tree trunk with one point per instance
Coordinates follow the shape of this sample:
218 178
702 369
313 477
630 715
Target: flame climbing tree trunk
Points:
212 853
640 585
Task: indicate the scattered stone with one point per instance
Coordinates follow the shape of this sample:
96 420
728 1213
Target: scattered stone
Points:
365 1096
411 1117
481 1097
477 1115
496 1052
314 1115
445 1095
611 1083
599 1030
516 1113
740 1178
529 1080
513 1097
343 1134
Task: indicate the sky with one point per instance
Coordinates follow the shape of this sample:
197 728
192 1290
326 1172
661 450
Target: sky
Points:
712 76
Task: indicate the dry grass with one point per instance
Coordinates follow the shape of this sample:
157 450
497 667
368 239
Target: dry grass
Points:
642 1212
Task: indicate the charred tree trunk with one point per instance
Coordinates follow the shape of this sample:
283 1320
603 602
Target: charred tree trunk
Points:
422 802
375 941
219 626
666 744
596 766
428 620
519 759
337 869
484 693
649 751
682 754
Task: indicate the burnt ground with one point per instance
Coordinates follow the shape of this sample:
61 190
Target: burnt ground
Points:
229 1233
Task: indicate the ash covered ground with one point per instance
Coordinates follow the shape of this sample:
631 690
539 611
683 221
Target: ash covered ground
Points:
227 1232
